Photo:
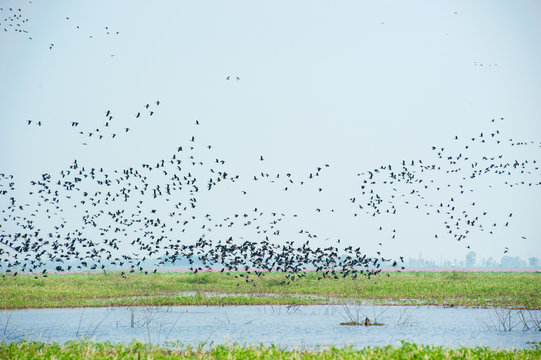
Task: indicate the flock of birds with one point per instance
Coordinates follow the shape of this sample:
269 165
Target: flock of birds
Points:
460 218
110 128
13 20
143 218
168 185
157 215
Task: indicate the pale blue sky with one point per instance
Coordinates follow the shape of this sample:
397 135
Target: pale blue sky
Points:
355 84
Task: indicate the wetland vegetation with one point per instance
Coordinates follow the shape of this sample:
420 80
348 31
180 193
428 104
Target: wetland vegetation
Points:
472 289
138 350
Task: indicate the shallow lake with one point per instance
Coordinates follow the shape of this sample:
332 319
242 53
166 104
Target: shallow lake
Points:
311 327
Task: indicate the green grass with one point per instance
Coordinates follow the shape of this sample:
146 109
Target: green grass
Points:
137 350
512 290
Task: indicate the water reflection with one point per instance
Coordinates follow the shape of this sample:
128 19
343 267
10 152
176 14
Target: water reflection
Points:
311 326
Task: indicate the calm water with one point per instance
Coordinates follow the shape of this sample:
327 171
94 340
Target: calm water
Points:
305 326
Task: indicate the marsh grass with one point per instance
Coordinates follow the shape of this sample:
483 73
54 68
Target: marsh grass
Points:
136 350
509 290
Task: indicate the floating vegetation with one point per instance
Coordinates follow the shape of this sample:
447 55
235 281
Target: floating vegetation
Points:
366 322
350 323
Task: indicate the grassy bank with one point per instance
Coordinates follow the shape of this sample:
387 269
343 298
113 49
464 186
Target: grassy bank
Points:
89 350
515 290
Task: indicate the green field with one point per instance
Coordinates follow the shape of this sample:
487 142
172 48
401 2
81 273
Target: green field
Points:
483 289
135 350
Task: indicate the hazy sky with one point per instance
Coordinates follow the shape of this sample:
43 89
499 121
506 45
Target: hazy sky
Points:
352 84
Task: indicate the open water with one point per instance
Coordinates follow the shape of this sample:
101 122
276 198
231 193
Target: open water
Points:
310 327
